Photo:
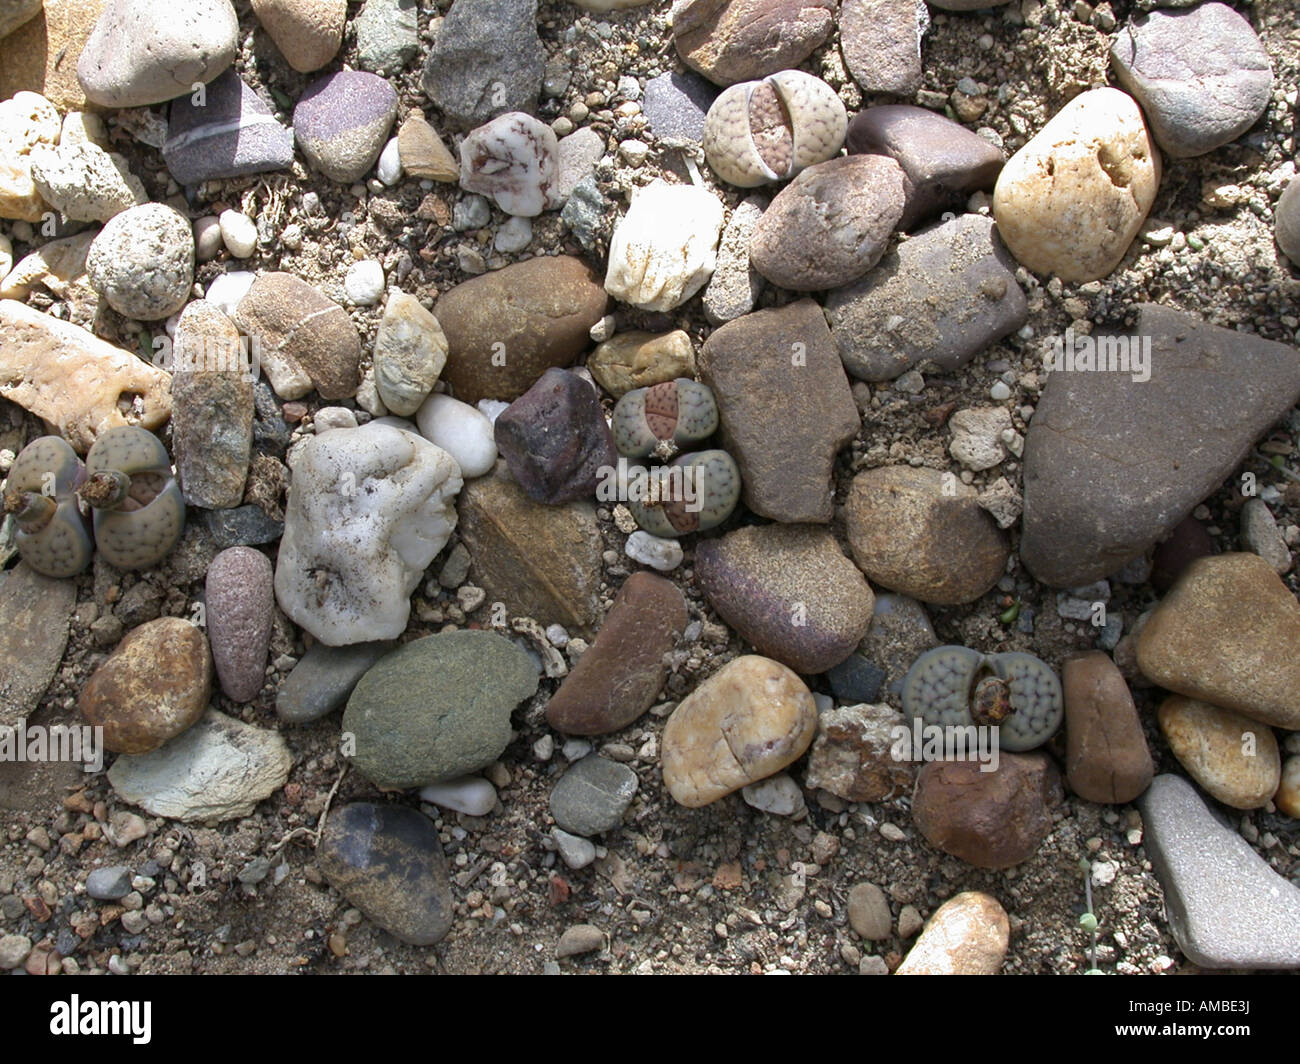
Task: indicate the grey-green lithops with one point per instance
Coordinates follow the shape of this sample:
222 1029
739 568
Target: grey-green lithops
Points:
663 418
1015 692
139 508
695 492
769 130
52 535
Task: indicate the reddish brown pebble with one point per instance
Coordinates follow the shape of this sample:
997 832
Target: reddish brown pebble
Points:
1107 759
240 611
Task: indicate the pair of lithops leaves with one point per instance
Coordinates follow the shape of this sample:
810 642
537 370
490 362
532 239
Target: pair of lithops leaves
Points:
954 686
695 491
126 482
757 132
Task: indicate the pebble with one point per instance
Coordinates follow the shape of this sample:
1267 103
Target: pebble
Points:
217 770
869 914
143 52
943 296
852 755
623 671
991 819
230 134
15 13
513 235
410 351
1059 209
536 313
734 288
487 59
471 795
785 461
787 590
744 723
387 861
461 431
242 525
388 34
738 40
341 123
84 182
654 551
1260 535
142 262
240 615
584 212
154 686
967 935
308 33
855 679
304 339
977 434
575 851
437 708
323 679
471 212
373 533
26 120
920 532
831 224
778 795
539 561
228 289
207 238
13 951
1231 756
592 796
1225 906
639 359
108 883
555 440
1107 758
1287 798
364 283
389 167
513 160
34 615
576 157
1086 515
1286 221
238 233
1202 76
675 105
881 44
579 939
422 152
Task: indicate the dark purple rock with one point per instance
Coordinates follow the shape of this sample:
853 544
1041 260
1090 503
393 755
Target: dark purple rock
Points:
856 680
243 525
554 438
676 104
240 601
1187 542
944 162
342 121
232 134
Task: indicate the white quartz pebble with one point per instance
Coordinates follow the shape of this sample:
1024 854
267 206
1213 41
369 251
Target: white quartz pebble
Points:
364 283
662 554
471 795
390 164
238 233
227 290
461 431
779 795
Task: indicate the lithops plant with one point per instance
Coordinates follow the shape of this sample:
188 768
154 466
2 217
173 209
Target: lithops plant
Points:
762 131
695 492
1014 692
663 418
139 508
51 535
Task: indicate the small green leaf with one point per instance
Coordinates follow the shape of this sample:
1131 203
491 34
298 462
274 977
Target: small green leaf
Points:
1088 922
1010 614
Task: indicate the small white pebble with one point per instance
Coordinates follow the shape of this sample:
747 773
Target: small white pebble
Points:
334 417
471 795
364 283
634 152
389 169
226 291
544 748
513 235
291 237
558 636
207 238
239 233
1000 391
662 554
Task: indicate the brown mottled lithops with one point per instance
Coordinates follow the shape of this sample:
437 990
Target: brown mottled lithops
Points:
139 508
953 686
664 417
694 493
762 131
51 535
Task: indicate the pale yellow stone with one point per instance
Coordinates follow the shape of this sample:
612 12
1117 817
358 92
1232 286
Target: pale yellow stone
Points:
26 120
1287 798
57 265
73 380
84 127
639 359
744 723
967 935
1233 757
1071 201
422 151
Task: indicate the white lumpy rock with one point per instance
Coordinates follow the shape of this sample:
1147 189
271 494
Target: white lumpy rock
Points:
666 246
512 160
461 431
368 510
654 551
471 795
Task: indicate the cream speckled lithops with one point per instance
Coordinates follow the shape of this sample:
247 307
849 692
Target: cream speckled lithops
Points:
699 497
769 130
660 419
52 535
1015 692
139 508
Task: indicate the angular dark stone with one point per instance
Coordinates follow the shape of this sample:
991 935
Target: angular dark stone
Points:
233 133
387 861
243 525
323 678
1187 542
555 439
855 680
944 161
